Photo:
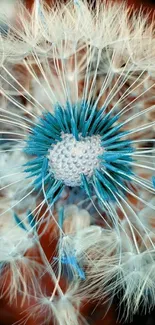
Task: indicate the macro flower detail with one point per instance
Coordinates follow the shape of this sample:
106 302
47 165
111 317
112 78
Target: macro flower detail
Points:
79 146
77 159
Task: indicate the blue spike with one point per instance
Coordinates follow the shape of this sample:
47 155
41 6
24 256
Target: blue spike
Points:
19 222
53 189
84 108
106 122
49 127
107 183
116 137
51 119
2 265
61 217
74 129
68 106
33 169
38 147
50 183
113 156
81 273
124 150
33 152
85 184
72 121
120 182
36 151
120 144
87 123
59 117
38 181
153 181
39 131
112 131
54 199
37 165
36 161
38 141
98 118
51 134
100 191
44 167
39 128
46 129
126 175
33 174
71 261
111 121
49 190
102 124
41 136
66 120
129 159
123 169
75 112
87 112
68 111
117 178
31 219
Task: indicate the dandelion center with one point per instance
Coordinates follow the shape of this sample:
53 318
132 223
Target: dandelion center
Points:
69 158
79 145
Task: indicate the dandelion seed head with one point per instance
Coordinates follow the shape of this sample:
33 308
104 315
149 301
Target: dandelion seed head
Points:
78 146
81 98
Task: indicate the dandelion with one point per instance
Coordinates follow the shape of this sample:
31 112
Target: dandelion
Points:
78 131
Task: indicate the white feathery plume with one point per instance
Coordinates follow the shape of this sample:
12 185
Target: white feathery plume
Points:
18 270
12 177
63 310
